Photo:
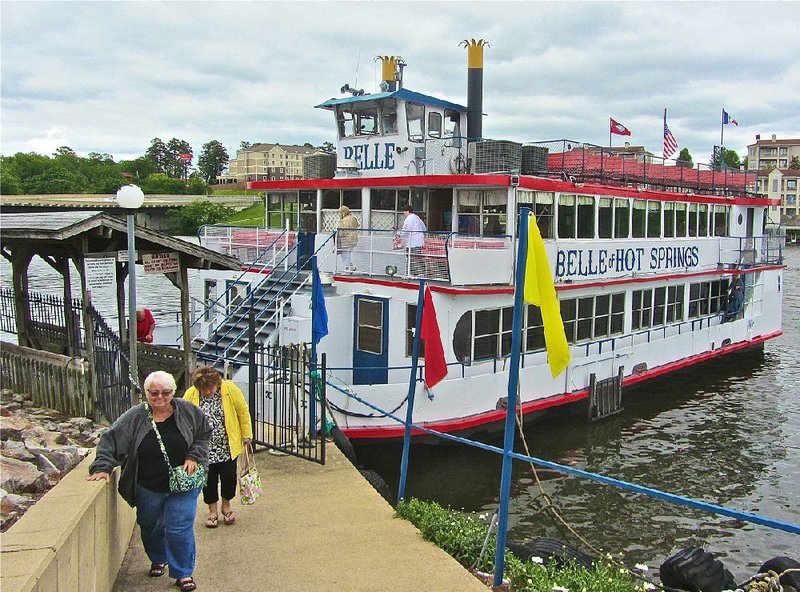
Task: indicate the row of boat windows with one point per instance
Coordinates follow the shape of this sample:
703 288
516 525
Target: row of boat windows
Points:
486 213
371 118
486 334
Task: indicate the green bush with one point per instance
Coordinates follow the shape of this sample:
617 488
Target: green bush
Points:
462 537
187 219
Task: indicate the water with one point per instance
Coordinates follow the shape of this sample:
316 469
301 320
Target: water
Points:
726 432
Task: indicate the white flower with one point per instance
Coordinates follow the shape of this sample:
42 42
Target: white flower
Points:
641 567
649 586
538 560
560 589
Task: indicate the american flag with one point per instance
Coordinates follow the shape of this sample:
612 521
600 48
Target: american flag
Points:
670 143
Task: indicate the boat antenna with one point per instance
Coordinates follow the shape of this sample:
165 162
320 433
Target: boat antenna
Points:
358 64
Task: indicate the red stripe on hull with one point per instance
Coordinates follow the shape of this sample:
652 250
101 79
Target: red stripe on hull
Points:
459 425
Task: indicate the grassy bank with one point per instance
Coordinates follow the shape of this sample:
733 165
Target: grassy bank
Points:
252 216
463 535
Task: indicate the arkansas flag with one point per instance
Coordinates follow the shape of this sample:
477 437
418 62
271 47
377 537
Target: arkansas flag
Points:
435 366
619 129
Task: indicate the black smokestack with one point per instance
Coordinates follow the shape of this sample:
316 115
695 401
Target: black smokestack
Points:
474 87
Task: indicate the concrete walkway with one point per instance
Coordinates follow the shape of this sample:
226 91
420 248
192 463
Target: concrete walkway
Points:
316 529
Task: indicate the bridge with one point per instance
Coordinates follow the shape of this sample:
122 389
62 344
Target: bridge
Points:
151 215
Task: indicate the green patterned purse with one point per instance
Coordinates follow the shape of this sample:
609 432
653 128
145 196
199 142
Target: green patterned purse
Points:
179 479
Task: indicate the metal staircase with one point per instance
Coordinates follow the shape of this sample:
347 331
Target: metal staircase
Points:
228 343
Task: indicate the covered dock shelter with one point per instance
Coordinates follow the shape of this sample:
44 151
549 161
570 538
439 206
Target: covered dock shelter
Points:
81 236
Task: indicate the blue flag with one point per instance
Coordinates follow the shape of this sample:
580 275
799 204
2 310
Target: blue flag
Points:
320 313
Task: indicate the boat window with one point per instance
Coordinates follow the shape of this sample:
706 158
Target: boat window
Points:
617 313
487 329
388 110
642 309
308 211
669 219
495 204
541 204
283 207
593 317
585 318
707 298
585 216
568 315
357 119
415 120
383 209
656 307
702 220
721 220
566 216
331 199
411 322
622 215
675 303
680 219
534 331
370 326
653 219
434 124
639 218
605 217
352 199
462 338
452 126
692 223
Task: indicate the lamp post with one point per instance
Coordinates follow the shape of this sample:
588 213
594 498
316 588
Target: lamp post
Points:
131 197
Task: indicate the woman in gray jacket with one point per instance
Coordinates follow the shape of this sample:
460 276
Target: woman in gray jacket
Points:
165 518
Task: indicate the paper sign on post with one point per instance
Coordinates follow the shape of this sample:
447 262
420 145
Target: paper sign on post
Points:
100 271
161 262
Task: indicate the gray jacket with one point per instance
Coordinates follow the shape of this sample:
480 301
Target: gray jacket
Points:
120 444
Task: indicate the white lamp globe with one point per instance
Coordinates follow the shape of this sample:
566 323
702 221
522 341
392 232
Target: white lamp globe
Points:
130 197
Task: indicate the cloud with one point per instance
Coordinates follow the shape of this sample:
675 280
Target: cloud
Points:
109 77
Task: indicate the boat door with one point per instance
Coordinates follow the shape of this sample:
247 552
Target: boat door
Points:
370 340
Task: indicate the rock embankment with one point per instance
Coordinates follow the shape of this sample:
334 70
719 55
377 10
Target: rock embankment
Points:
39 447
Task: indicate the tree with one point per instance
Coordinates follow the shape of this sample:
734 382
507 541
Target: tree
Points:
196 185
213 160
245 145
157 155
162 184
64 150
56 179
730 160
140 168
684 158
327 147
188 219
795 163
176 167
9 180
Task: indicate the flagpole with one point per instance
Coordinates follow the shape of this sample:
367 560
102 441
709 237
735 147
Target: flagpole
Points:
721 128
511 406
609 132
312 411
412 387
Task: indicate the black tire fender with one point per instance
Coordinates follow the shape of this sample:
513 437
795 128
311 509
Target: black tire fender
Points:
695 570
344 444
378 484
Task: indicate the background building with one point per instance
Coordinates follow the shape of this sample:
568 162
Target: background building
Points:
774 153
776 180
266 162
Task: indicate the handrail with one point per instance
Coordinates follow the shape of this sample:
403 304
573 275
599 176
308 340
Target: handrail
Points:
274 300
206 309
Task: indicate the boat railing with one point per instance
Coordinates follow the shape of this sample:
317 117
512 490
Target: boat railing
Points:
744 252
276 304
632 167
246 243
442 256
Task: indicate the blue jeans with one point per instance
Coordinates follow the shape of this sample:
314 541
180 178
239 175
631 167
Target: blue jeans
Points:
167 524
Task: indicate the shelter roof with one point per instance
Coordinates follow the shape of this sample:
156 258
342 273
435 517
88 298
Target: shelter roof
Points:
46 234
403 93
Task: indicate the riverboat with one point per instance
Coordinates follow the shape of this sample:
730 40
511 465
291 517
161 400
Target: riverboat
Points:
657 266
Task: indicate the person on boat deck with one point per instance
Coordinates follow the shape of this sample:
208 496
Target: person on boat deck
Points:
413 231
145 323
165 517
347 237
227 410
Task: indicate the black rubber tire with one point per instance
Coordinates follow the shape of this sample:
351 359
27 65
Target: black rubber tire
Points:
781 564
343 444
378 484
546 548
695 570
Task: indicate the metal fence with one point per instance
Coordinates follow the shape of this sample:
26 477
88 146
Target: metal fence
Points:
47 318
287 400
111 369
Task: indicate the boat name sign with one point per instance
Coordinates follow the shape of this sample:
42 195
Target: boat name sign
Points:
604 262
371 156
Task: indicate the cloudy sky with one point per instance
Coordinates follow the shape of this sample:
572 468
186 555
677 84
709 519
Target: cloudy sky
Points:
110 76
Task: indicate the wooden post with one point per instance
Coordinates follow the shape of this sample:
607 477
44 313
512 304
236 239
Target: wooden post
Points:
88 328
187 338
69 319
20 260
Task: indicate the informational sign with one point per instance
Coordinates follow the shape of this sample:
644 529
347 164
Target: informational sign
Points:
161 262
100 271
122 256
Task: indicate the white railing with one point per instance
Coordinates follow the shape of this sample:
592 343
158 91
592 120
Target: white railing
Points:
247 243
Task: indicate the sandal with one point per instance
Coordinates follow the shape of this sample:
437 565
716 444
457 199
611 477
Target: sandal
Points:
157 570
228 517
186 584
212 521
